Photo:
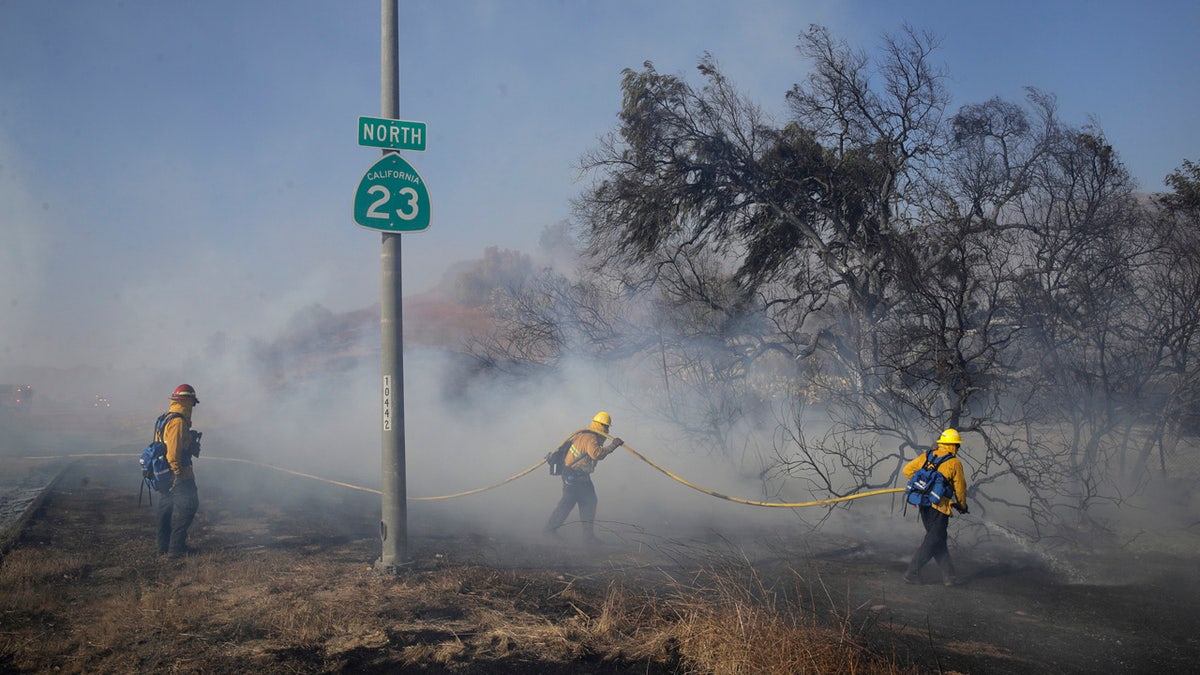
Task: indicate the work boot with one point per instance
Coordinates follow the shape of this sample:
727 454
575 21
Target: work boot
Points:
911 578
951 580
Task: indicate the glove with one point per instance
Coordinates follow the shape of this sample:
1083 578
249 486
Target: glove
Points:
961 508
616 442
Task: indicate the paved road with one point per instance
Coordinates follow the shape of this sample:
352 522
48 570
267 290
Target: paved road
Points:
47 432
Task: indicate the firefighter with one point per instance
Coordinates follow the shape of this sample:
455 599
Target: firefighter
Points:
936 517
178 506
583 450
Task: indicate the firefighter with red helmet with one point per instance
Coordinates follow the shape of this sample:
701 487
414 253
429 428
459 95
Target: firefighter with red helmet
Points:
178 506
583 450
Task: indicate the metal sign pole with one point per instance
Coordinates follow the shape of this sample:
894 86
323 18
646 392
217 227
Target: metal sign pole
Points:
393 525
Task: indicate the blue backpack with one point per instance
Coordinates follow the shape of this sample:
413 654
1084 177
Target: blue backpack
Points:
928 485
156 471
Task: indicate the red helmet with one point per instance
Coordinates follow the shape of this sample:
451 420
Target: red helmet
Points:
185 392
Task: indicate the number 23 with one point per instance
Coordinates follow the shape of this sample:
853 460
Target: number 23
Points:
385 195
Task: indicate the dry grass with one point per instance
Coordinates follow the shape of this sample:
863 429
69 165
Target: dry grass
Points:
727 620
285 585
83 592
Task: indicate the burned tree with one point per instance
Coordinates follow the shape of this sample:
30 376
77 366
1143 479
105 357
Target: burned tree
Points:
900 268
812 223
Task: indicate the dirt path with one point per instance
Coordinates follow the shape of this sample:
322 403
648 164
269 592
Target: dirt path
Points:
1018 617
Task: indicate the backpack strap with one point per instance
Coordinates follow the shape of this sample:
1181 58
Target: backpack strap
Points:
575 455
946 479
929 460
160 426
935 462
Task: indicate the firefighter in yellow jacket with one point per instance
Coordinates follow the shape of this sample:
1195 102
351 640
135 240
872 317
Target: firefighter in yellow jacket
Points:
584 449
936 517
178 506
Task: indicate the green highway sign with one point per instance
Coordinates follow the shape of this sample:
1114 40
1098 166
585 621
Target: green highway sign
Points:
380 132
392 197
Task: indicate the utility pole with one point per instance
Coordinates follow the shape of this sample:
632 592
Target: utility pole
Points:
392 198
393 524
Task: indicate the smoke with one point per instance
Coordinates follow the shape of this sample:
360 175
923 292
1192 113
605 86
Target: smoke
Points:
25 243
326 422
82 317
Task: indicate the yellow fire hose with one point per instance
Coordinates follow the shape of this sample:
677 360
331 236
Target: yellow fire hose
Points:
302 474
711 493
219 459
739 500
471 492
751 502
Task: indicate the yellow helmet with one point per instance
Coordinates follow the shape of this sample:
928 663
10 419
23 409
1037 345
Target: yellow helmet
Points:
950 437
603 418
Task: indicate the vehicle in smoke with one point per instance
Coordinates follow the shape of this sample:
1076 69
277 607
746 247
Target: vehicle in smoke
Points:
101 402
16 396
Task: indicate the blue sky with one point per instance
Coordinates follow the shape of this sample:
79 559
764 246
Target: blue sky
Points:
174 174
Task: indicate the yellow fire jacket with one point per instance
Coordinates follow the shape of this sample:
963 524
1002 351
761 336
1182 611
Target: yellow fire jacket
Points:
952 469
179 441
586 449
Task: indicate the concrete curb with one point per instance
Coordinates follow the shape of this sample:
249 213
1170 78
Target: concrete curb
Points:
28 500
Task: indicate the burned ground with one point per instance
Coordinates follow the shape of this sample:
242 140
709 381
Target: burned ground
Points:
286 585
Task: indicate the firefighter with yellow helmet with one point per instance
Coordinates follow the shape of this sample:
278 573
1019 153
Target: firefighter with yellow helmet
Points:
584 449
936 516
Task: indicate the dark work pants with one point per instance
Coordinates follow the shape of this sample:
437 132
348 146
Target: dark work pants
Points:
176 510
577 489
933 546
